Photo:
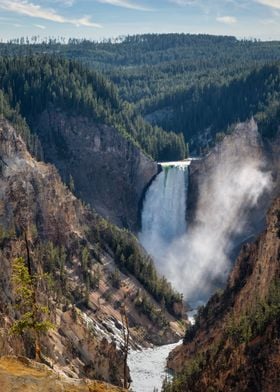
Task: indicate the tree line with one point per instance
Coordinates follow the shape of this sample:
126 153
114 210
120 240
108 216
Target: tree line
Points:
170 80
35 83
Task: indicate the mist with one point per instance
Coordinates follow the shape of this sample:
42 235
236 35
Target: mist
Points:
199 261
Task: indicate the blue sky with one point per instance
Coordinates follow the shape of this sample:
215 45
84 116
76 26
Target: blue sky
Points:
99 19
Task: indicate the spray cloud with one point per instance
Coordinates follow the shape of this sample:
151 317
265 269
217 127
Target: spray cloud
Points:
199 260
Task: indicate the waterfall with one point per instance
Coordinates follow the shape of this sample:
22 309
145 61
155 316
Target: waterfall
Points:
164 209
198 262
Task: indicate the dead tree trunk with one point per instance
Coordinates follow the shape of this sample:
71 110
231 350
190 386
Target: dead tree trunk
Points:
126 337
34 302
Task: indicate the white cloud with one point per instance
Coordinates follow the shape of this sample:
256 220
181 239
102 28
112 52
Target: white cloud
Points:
184 2
270 3
23 7
66 3
204 5
125 4
40 26
226 19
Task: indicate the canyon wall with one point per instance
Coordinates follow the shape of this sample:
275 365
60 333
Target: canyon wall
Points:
78 249
109 171
234 344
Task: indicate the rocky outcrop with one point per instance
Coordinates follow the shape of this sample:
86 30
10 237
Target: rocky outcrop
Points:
109 171
235 343
34 199
18 374
74 245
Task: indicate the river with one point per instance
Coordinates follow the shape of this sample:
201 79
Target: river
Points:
148 368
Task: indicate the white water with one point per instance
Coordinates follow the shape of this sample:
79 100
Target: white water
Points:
193 261
197 262
163 221
148 368
164 213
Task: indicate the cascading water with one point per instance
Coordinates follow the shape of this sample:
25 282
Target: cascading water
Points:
197 262
163 222
164 209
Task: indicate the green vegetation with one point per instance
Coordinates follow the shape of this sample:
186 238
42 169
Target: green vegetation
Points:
216 106
54 257
127 255
188 378
33 84
14 117
150 67
33 315
130 259
277 224
6 234
145 306
240 330
116 279
201 315
183 83
247 326
55 260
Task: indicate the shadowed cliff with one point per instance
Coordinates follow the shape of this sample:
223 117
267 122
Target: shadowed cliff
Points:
234 344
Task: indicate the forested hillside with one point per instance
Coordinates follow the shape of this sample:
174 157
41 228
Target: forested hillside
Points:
35 83
154 65
213 108
123 244
178 82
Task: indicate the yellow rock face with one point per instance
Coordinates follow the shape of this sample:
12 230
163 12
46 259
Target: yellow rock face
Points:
19 374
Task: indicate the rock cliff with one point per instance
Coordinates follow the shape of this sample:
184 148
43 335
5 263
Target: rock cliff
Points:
109 172
78 250
235 343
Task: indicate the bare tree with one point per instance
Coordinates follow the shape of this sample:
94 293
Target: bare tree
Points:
126 337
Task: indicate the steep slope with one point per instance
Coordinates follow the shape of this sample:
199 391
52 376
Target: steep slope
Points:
207 111
80 120
235 343
34 83
22 375
95 270
109 172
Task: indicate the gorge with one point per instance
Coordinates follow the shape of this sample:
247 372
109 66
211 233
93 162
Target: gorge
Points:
121 234
234 187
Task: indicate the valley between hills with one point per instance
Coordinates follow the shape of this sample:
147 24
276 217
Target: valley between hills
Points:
139 186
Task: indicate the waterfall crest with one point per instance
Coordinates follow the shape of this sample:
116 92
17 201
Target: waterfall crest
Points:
164 209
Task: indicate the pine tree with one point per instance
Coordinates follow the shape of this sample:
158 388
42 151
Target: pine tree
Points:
33 314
